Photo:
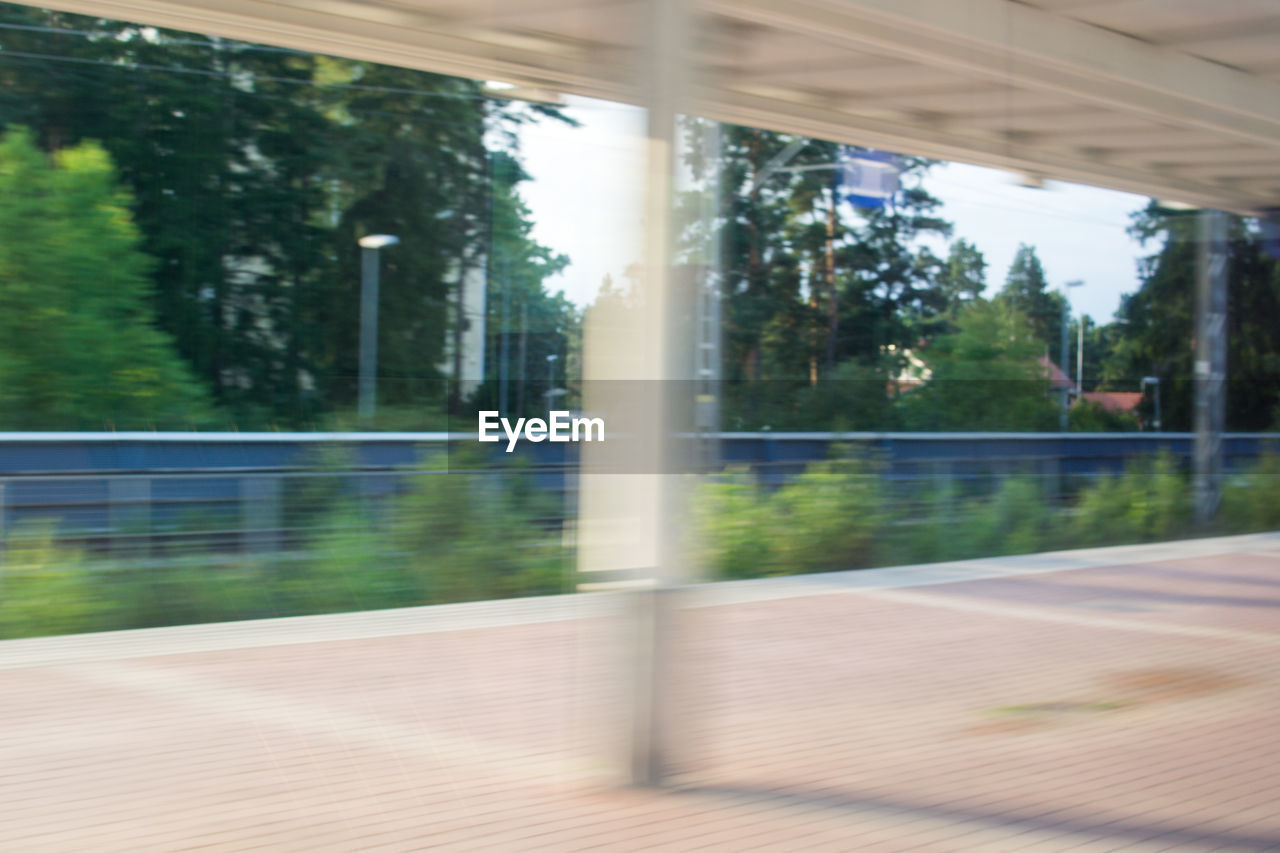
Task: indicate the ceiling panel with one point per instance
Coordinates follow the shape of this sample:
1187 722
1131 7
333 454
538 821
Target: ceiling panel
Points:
1108 92
1164 20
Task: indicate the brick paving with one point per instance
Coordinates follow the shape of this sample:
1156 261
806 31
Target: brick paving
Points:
1129 703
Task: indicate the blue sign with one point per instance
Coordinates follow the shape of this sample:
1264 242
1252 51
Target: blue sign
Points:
868 178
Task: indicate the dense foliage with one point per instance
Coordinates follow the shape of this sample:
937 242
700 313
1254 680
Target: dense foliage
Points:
246 174
841 515
78 344
250 172
838 317
1158 323
475 534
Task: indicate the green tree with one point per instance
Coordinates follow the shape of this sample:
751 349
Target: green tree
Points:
254 169
1159 323
409 160
964 276
222 147
819 297
895 288
536 324
983 377
1026 290
78 343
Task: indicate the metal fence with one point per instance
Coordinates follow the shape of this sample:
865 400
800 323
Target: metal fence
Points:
149 496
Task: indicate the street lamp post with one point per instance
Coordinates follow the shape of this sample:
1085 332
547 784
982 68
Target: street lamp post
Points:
1066 369
551 378
1080 357
369 248
1155 382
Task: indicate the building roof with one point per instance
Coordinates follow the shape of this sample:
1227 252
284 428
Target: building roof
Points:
1118 402
1174 99
1057 379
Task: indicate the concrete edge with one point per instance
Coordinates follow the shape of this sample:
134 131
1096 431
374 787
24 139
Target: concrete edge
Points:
297 630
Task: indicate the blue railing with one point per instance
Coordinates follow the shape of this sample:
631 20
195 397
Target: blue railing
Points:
115 489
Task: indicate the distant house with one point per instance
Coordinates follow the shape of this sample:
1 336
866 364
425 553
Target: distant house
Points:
1057 379
913 374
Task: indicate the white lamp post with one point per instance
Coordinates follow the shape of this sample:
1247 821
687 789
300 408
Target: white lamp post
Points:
369 248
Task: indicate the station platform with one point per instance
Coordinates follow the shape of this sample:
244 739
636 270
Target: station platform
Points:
1111 699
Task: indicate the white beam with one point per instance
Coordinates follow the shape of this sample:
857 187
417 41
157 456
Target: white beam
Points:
393 36
526 11
919 139
1035 53
1030 48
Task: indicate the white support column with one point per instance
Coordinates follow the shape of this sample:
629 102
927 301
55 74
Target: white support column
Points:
635 375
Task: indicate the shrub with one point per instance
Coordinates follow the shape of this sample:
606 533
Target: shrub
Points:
1150 501
1251 501
924 530
188 590
45 588
476 532
461 532
730 518
1092 416
826 519
348 566
1015 520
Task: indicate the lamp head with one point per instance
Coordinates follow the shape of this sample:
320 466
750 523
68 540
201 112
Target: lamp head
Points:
378 241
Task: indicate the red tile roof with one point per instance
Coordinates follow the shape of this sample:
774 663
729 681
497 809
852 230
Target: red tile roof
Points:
1057 379
1115 401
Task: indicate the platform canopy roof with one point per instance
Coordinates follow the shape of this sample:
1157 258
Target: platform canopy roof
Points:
1177 99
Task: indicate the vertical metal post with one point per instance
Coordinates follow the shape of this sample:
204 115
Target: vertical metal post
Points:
707 315
1211 362
260 514
504 346
1080 357
1065 361
368 333
129 515
499 270
522 377
1051 478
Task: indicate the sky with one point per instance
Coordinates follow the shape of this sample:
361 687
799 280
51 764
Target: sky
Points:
586 200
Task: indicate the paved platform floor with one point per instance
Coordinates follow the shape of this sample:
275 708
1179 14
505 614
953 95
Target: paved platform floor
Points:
1115 699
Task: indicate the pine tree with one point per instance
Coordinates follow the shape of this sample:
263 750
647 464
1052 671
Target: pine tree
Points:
1159 324
1026 290
964 276
817 296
